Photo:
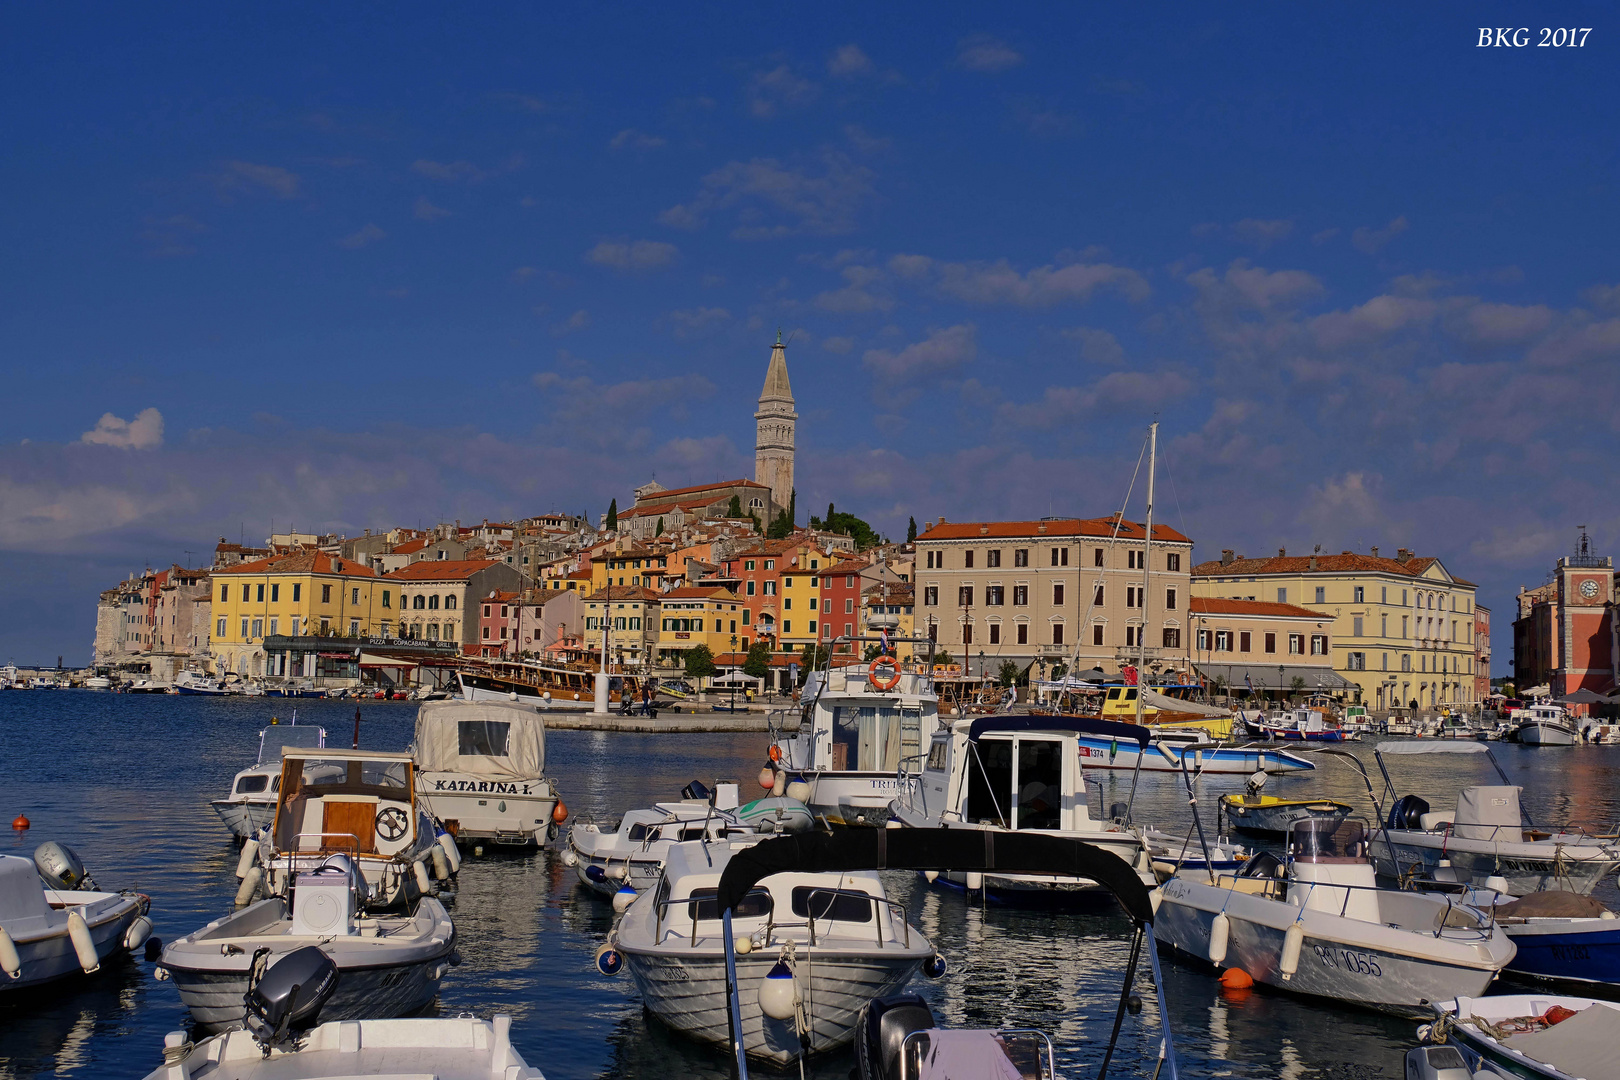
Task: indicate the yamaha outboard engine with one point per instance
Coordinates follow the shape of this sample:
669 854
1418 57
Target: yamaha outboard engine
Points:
697 791
286 1000
1407 813
61 868
882 1029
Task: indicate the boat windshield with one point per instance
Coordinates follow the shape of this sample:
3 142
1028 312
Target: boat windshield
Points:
378 779
702 904
1327 841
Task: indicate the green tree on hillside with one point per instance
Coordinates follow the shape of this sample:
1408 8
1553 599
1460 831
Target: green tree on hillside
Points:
613 514
734 510
911 531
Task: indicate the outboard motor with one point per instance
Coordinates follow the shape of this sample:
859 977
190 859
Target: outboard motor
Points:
881 1030
697 791
1407 813
1437 1063
61 868
286 1000
1262 864
1256 783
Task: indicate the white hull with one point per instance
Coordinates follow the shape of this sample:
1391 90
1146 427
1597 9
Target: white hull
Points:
1166 757
214 999
1543 733
245 817
1576 865
506 811
853 798
51 956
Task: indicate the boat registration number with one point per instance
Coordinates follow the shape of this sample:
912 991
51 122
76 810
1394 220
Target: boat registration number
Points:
492 787
1359 963
669 969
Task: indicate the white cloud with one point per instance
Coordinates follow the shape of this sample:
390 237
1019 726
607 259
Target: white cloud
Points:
943 352
1262 234
824 201
1603 297
364 237
248 177
1377 318
145 432
638 255
426 211
771 90
697 320
856 296
1000 283
987 54
632 139
1501 324
848 61
1246 286
579 320
1371 240
1115 391
1097 346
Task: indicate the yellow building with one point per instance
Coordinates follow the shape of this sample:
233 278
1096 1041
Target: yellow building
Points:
698 615
1402 629
632 624
626 568
303 594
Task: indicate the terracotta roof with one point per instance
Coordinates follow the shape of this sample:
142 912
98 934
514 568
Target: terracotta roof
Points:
303 562
578 575
1210 605
441 569
627 592
1030 530
1344 562
698 592
667 492
892 592
409 547
499 597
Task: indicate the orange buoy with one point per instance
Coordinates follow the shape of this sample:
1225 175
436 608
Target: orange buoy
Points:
559 813
1236 979
21 822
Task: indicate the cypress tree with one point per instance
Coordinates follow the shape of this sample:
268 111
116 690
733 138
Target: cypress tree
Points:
613 514
911 531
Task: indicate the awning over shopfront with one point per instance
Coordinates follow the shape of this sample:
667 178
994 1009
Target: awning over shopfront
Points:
1269 677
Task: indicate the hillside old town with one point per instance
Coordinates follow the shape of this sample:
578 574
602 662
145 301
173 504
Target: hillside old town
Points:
712 578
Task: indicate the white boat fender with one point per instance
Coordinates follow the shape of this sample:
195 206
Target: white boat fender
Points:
247 860
777 993
624 898
569 858
10 962
975 881
930 876
778 783
419 868
83 944
609 960
799 791
138 932
1293 942
441 863
618 873
742 944
250 885
1220 930
451 852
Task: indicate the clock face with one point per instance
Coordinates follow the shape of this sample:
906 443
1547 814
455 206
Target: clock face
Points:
1589 589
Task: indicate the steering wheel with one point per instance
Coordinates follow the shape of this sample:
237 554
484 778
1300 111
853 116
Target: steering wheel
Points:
392 823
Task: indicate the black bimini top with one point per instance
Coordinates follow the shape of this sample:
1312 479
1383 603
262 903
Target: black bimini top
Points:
934 849
1081 725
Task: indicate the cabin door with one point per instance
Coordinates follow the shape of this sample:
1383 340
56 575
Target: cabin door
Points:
1038 783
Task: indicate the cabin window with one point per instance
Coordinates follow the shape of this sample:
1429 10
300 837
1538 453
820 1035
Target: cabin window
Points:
482 738
639 832
251 785
703 905
939 755
1040 783
820 903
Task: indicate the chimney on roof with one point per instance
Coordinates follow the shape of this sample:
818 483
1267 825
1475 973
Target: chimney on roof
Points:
942 519
1344 553
1402 554
1282 553
1226 556
1041 528
1313 562
1375 553
984 530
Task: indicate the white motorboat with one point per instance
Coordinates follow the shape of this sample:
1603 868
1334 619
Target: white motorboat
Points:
480 770
1545 725
251 804
148 686
48 934
855 728
1533 1036
1016 774
819 947
284 1039
200 685
1487 842
632 852
366 808
98 682
1319 925
387 965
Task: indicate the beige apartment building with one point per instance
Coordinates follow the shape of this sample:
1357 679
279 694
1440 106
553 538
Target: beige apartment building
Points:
1055 591
1402 629
1264 647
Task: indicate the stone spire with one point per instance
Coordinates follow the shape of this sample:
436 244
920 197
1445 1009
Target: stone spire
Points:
773 430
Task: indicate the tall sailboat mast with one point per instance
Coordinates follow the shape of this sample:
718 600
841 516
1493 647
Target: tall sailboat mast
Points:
1147 563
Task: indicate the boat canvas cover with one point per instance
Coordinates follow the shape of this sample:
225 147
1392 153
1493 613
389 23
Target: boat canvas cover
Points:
1433 747
1488 813
1152 699
486 738
1552 905
1582 1045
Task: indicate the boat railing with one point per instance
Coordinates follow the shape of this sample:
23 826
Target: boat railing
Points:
913 1049
896 909
1483 921
1525 834
322 851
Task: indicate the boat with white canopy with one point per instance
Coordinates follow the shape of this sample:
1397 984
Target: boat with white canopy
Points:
251 803
1488 842
480 769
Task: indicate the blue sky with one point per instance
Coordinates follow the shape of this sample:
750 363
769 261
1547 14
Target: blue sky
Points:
358 266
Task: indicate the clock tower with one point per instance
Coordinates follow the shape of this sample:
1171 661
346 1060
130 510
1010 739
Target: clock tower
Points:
1586 647
774 425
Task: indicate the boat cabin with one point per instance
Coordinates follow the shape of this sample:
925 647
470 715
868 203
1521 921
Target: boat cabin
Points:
1009 772
364 803
857 726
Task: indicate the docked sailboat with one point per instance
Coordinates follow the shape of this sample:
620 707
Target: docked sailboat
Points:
388 965
1319 925
480 770
1488 842
819 946
52 933
251 803
1018 773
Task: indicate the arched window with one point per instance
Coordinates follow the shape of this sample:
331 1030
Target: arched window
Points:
450 602
418 602
433 602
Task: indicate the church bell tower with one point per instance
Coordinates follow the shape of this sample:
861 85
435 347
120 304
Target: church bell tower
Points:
773 430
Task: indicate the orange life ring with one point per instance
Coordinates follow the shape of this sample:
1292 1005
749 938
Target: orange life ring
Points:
894 679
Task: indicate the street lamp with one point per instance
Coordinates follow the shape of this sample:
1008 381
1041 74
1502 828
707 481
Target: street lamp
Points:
1279 685
734 670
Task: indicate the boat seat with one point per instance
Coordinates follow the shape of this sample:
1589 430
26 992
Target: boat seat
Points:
1433 821
1251 885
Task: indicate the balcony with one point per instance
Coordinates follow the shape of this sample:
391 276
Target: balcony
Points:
1132 653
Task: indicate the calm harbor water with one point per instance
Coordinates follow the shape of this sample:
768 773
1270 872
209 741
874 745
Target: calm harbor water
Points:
125 781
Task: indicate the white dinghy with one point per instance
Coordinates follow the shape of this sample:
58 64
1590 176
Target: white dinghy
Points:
285 1040
1319 925
251 803
389 965
815 948
51 933
1537 1036
1488 842
480 770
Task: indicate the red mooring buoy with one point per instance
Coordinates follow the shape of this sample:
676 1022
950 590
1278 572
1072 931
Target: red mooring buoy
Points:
20 823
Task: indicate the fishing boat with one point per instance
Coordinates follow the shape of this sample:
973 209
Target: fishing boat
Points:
480 770
547 686
1255 812
250 804
1562 937
284 1039
819 947
147 686
630 854
1170 708
1545 725
1319 925
387 965
1357 721
1533 1036
856 726
366 808
1488 842
1016 773
54 933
